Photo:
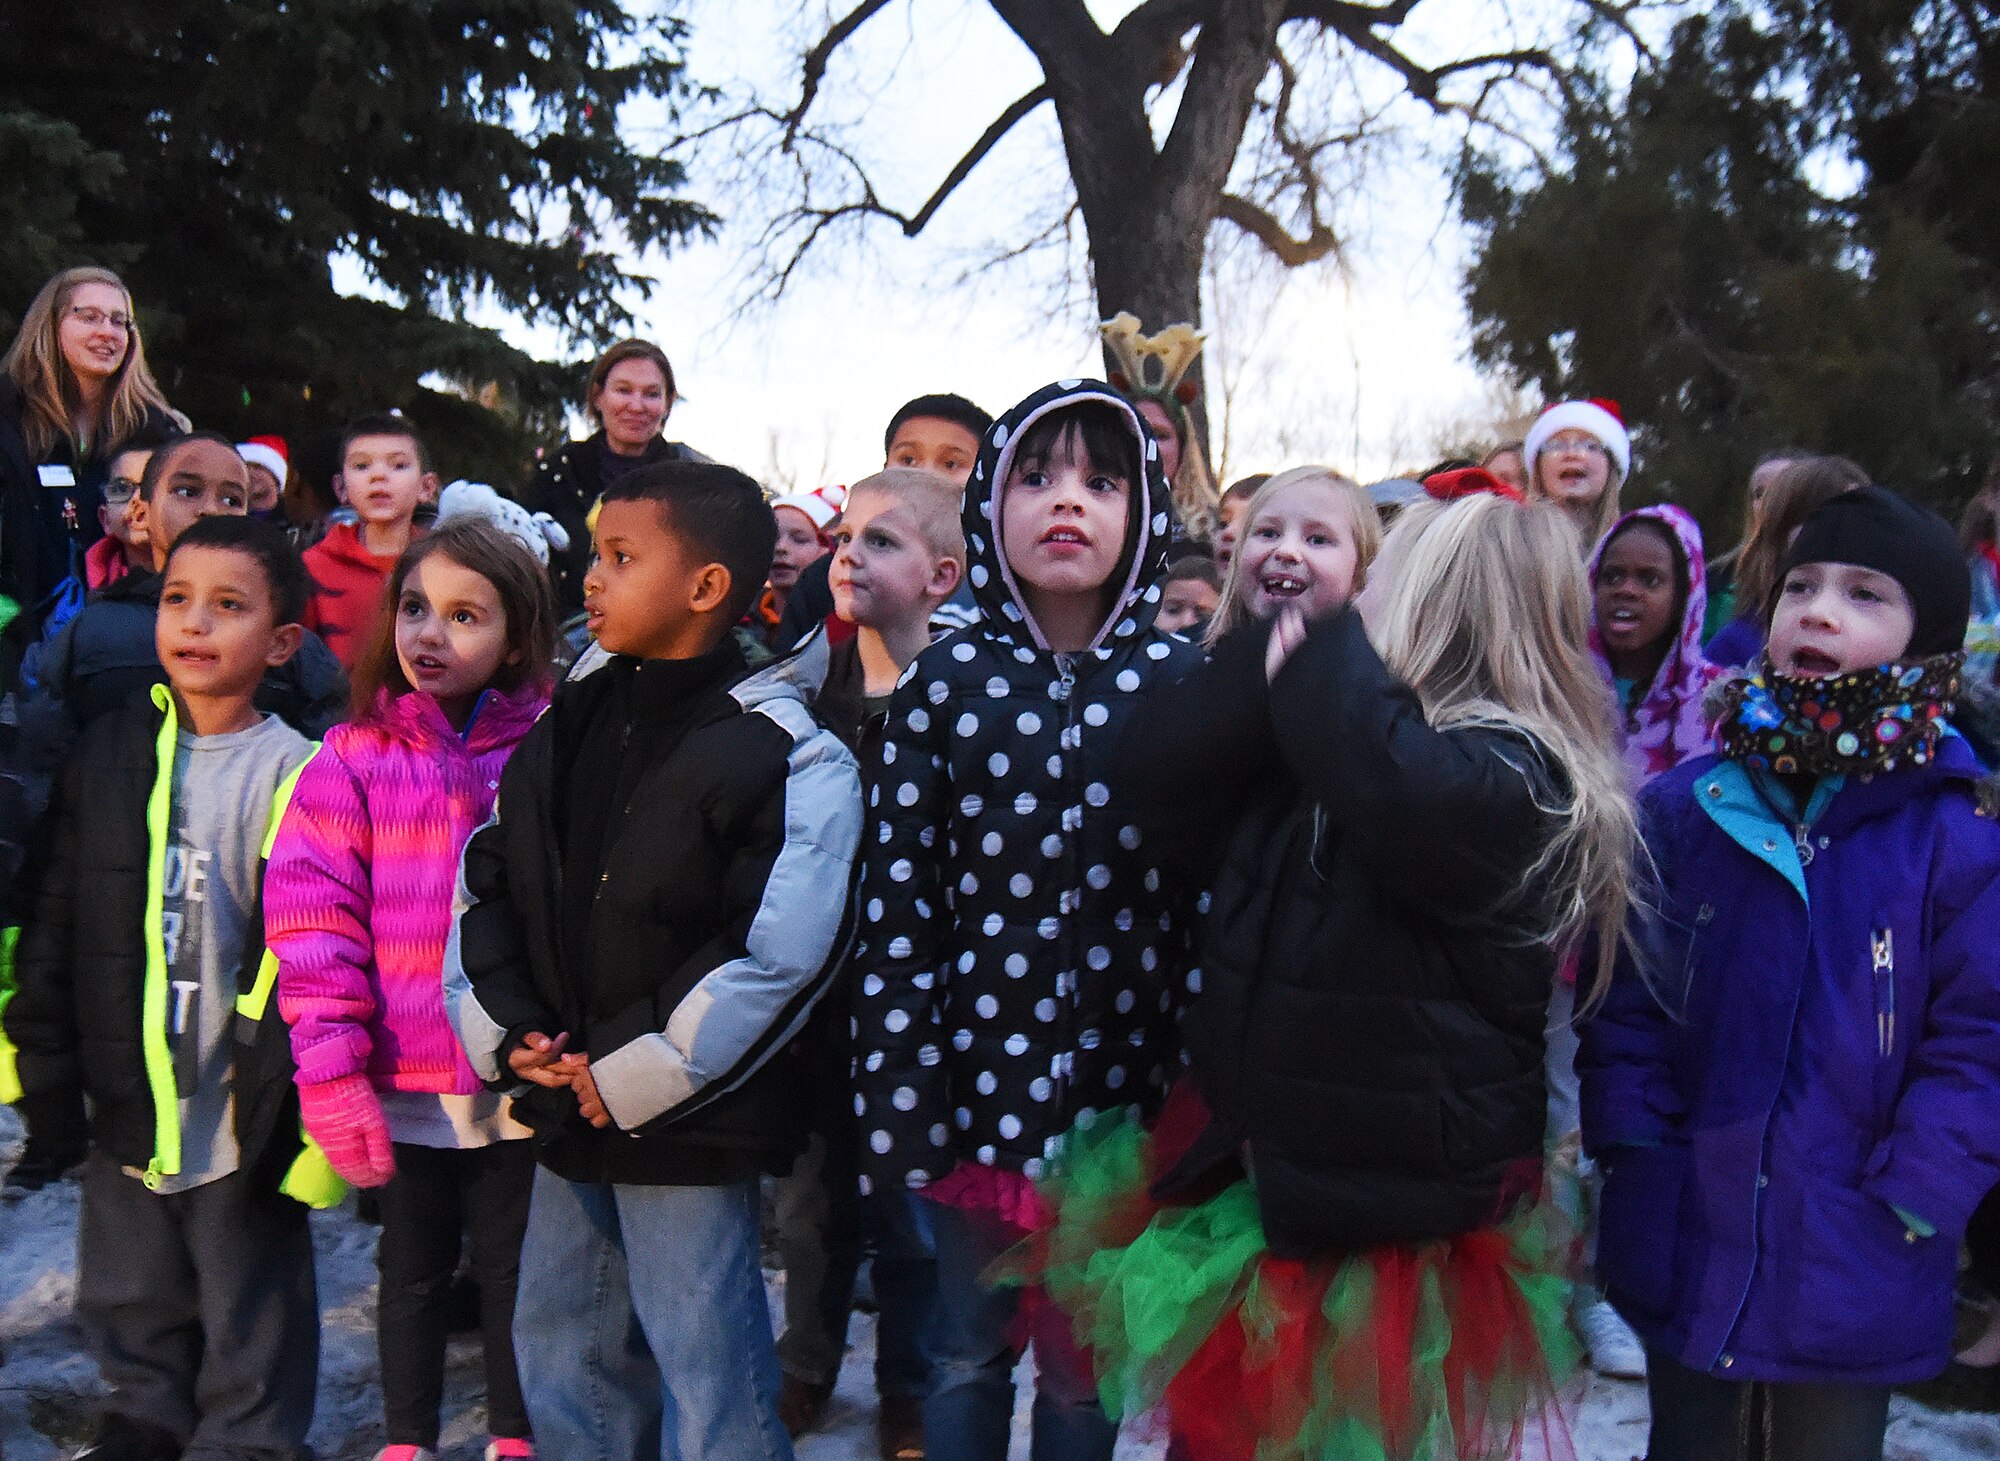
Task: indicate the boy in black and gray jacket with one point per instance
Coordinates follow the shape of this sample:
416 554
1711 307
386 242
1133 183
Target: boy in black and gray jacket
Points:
644 929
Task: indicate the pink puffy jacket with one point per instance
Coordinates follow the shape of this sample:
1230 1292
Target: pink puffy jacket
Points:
358 893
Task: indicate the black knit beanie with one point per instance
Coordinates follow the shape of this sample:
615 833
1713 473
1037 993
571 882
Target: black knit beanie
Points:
1872 527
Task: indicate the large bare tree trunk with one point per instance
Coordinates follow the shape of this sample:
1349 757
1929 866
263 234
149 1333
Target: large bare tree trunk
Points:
1147 211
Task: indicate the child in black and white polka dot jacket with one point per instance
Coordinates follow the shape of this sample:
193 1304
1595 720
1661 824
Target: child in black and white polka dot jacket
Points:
1022 952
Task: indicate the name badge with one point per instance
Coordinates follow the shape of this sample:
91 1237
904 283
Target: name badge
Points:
56 475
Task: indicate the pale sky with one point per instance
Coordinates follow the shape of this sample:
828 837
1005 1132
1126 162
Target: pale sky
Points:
1360 369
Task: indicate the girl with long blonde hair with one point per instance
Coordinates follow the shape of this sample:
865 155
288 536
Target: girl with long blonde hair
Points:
1409 813
74 387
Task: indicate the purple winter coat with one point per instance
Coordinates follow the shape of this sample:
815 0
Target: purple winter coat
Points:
1828 1075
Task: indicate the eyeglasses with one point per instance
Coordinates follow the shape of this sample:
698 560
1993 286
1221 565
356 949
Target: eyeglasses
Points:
1585 446
120 489
95 318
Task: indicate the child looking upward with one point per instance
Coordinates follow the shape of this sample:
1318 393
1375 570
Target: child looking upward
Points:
1019 946
645 926
144 985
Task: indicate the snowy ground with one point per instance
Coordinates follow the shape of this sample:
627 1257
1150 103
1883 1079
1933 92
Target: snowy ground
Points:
46 1382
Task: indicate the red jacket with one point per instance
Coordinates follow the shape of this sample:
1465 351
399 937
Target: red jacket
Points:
348 585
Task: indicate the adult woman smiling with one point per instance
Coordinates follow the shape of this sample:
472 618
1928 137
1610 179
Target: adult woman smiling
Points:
73 387
630 395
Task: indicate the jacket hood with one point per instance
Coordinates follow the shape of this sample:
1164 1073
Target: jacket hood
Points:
499 717
343 542
1671 721
1140 567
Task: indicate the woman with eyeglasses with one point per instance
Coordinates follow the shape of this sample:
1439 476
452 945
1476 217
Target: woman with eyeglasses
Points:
1578 454
74 388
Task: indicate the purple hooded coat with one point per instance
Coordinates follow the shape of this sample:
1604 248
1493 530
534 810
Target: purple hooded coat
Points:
1795 1151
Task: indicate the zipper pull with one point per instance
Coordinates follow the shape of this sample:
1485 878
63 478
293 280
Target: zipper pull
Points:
1882 944
1802 840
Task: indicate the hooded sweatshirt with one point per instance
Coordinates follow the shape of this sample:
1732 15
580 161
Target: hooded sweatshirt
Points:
348 580
1022 953
1668 724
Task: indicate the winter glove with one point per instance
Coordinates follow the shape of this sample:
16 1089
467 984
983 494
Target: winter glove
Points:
345 1118
58 1138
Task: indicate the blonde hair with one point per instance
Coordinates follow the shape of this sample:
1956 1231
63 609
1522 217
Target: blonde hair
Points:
933 500
50 399
1608 509
1486 618
1365 523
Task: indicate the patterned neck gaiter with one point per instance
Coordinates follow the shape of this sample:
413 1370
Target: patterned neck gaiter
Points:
1853 724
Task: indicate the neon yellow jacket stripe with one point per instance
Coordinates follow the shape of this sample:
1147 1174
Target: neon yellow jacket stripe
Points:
153 1005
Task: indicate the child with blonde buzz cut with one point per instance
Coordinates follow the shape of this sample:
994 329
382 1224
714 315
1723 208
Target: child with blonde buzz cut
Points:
898 554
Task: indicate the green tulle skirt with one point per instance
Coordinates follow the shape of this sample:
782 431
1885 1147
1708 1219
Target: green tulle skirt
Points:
1447 1349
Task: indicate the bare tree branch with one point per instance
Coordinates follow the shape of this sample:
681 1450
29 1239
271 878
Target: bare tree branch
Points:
813 71
988 140
1262 226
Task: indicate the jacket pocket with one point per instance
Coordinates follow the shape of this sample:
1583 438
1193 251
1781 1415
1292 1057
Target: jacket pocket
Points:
1639 1225
1866 1292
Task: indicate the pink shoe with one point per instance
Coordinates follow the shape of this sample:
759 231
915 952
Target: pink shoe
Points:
405 1453
511 1448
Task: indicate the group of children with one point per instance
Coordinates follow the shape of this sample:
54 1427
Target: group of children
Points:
1169 960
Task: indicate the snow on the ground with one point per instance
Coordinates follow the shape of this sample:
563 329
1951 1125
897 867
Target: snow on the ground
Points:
46 1382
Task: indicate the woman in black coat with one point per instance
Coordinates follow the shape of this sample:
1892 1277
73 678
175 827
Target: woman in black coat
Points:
1401 844
74 388
630 396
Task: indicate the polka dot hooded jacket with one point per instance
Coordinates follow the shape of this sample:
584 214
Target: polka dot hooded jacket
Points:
1021 954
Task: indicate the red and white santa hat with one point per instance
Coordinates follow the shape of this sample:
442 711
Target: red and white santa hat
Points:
268 452
822 505
1597 416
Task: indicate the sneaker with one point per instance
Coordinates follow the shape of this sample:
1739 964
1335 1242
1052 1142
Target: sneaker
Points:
1614 1349
802 1405
900 1429
510 1448
120 1438
405 1453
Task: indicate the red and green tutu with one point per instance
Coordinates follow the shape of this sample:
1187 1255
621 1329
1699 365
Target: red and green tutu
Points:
1448 1349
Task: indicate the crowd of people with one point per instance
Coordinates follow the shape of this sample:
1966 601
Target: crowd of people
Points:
1316 963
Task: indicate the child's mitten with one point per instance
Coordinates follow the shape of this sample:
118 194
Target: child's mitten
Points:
345 1118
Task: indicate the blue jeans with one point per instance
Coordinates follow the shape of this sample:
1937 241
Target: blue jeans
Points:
641 1328
1697 1417
969 1413
825 1226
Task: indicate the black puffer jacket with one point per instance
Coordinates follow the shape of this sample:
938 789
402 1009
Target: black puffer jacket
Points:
1372 998
720 912
79 1014
1021 951
566 485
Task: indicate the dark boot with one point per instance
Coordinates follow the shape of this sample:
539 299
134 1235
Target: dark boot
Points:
120 1438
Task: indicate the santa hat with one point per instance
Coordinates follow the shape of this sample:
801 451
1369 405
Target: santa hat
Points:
1596 416
268 452
1468 482
822 505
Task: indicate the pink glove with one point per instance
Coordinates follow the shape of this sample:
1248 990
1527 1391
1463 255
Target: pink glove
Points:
345 1118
